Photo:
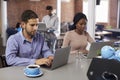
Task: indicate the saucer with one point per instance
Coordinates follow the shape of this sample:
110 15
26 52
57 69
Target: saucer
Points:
40 74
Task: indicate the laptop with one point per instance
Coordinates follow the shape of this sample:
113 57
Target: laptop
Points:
95 48
104 69
42 26
60 58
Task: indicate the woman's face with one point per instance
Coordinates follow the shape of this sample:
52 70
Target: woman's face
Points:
81 25
49 12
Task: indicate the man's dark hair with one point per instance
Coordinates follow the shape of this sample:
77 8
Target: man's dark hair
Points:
28 14
49 8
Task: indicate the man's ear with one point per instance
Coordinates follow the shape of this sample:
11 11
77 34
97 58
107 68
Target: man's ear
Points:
23 25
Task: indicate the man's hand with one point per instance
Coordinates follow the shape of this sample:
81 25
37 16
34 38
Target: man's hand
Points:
44 61
51 58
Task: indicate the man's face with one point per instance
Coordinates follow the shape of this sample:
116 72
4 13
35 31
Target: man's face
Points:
49 12
31 27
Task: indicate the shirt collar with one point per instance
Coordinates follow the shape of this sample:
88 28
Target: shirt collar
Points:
24 39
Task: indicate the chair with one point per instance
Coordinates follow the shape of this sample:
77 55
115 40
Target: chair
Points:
10 31
50 38
64 27
99 27
2 57
3 60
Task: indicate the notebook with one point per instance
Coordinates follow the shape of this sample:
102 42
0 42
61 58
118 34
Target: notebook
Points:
95 48
42 26
60 58
100 69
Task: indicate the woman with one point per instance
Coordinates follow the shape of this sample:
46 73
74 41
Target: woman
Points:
78 38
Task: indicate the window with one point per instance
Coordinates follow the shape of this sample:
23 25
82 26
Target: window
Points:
101 10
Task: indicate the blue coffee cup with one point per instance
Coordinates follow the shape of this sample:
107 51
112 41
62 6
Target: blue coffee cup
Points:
32 70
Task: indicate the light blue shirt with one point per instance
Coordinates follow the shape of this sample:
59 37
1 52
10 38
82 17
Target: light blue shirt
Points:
19 29
52 23
21 52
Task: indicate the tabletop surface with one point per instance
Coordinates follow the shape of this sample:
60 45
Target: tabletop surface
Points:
76 69
112 30
102 33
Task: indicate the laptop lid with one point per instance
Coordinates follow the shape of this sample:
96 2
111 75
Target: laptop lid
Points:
95 48
42 26
61 57
104 69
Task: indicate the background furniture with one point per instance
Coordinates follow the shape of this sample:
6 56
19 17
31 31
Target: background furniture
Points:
115 32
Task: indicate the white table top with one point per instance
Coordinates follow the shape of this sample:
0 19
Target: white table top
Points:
102 33
74 70
112 30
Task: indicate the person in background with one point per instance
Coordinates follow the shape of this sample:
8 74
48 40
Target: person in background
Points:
78 38
28 46
10 31
51 20
18 27
13 30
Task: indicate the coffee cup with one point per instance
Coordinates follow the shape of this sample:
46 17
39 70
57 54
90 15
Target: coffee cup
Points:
32 70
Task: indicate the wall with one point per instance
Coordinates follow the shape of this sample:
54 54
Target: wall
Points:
78 6
68 10
16 7
113 13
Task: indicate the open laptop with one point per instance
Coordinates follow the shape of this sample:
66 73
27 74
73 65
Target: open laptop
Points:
42 26
100 69
95 48
60 58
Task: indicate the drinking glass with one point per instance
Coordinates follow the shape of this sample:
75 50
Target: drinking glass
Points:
80 55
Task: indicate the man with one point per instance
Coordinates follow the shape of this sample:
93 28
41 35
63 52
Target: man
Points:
51 20
27 46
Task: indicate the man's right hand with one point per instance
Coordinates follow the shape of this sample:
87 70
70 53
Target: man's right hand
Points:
43 61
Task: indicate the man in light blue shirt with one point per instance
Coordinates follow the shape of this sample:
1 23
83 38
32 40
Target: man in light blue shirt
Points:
51 20
27 46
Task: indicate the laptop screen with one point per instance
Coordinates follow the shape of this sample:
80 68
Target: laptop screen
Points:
42 26
60 58
95 48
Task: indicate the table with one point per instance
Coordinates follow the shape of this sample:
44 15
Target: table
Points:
112 30
115 32
74 70
100 34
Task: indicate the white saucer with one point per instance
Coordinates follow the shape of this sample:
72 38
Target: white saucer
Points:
34 75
